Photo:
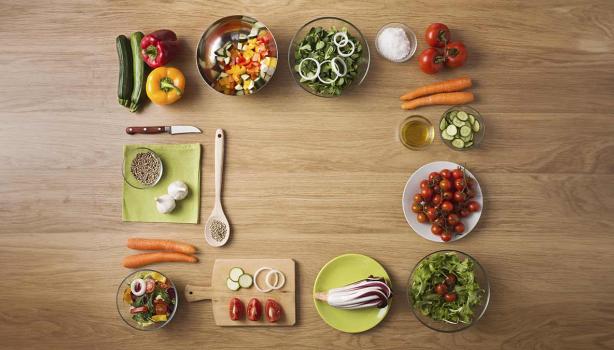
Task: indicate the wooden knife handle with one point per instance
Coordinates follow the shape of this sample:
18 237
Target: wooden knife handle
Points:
131 130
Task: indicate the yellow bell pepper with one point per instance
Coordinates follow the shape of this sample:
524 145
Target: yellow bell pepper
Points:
165 85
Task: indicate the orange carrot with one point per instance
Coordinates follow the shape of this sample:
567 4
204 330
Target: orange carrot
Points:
451 85
446 98
138 260
160 244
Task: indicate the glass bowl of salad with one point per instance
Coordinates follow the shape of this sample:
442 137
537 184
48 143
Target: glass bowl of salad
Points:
328 56
448 291
237 55
147 300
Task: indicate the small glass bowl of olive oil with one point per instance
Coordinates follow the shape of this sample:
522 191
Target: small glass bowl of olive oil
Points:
416 132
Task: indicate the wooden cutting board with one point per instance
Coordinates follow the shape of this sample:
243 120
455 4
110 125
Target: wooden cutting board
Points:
220 295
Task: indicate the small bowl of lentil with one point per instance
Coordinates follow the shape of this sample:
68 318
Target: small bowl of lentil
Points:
142 168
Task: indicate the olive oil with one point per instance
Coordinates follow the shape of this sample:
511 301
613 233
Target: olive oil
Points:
416 132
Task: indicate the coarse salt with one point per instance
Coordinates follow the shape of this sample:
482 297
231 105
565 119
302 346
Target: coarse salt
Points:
393 44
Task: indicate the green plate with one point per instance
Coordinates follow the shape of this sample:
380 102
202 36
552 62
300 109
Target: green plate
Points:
340 271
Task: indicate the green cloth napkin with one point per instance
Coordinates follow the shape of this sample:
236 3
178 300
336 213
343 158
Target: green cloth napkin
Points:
180 162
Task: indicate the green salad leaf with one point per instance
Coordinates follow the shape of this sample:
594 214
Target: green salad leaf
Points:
433 271
318 44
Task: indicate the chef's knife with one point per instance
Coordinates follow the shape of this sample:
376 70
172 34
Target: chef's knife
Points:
173 129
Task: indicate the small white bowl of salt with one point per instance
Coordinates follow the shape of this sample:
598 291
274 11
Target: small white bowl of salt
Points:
396 42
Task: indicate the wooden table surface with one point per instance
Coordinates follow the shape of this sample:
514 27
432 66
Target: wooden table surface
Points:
310 178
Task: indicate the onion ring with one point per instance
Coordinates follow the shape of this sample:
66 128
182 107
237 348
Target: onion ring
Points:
256 280
346 54
344 40
329 81
278 284
334 65
315 75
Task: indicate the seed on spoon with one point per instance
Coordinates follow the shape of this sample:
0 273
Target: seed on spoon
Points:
218 230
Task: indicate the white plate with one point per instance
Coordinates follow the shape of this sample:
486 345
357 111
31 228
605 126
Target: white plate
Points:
413 186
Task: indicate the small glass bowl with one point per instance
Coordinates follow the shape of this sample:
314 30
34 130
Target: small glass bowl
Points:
480 277
127 174
124 308
477 137
426 123
411 36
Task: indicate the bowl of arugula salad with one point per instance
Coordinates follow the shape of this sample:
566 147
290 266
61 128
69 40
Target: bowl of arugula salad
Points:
448 291
328 56
147 300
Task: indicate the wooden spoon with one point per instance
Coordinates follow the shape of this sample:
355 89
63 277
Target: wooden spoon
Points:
217 217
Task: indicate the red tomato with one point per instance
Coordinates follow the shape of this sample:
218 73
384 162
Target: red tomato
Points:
431 61
436 189
436 229
272 310
136 310
150 285
448 196
417 198
457 174
459 184
416 208
449 297
473 206
456 54
254 310
451 280
446 174
431 213
424 184
434 177
445 184
236 309
437 35
426 194
459 197
459 228
447 206
436 199
441 289
422 218
464 213
446 236
453 219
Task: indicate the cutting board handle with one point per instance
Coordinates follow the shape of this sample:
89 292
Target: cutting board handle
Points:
197 293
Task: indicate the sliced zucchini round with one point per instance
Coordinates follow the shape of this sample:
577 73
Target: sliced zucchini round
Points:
458 143
443 124
232 285
462 115
451 130
471 118
246 280
465 131
458 122
446 136
468 144
235 273
476 126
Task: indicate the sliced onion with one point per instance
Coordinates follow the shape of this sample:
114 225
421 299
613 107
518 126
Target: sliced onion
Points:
335 67
313 76
344 40
346 54
256 280
280 276
325 81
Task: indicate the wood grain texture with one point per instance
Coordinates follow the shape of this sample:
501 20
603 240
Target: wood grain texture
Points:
311 178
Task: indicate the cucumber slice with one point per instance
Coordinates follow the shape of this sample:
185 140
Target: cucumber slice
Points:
446 136
476 126
467 138
458 122
465 131
471 119
451 130
246 280
232 285
458 143
468 144
462 115
235 273
443 124
451 115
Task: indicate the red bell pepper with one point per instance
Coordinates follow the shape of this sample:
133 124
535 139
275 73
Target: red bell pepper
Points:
159 47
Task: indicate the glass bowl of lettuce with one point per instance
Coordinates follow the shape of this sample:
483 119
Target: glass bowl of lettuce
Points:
448 291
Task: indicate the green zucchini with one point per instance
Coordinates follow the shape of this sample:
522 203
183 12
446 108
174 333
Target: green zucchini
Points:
138 71
124 86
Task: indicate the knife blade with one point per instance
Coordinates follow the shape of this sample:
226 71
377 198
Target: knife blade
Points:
173 129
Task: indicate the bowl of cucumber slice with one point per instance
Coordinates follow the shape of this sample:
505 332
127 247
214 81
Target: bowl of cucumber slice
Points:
461 128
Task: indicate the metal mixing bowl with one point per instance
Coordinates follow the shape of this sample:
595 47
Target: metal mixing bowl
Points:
218 33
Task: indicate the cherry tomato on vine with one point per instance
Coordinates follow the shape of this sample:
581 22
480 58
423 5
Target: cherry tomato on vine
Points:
445 173
448 196
459 197
431 60
439 221
434 177
437 35
417 198
459 227
453 219
459 184
431 213
436 199
457 174
436 189
441 289
436 229
446 236
416 208
426 194
445 184
449 297
447 206
424 184
421 217
456 54
473 206
464 213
